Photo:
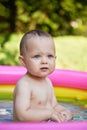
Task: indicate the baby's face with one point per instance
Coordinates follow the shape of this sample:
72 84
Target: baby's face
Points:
40 56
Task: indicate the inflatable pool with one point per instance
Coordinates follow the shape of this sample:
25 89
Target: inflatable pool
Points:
68 86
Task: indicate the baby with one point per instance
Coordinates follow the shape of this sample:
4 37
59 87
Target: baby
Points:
34 98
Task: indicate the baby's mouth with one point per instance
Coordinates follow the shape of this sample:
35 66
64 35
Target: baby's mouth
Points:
44 68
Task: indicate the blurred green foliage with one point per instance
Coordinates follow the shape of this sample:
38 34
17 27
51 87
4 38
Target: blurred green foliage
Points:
59 17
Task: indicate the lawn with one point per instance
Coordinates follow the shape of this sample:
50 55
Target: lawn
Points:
71 51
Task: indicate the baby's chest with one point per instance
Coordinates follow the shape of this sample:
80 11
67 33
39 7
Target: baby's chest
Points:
41 95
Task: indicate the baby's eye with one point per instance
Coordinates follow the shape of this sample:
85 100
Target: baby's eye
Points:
37 56
50 56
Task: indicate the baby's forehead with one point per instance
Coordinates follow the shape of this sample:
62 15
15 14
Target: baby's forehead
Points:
39 43
33 39
38 39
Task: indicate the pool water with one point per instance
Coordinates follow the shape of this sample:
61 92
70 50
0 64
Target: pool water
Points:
6 111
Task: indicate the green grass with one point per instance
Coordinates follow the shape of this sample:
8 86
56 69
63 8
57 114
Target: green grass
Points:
71 51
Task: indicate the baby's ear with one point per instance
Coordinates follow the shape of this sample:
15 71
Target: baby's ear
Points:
55 57
21 59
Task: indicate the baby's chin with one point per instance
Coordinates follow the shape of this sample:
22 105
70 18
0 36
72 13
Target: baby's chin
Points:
44 75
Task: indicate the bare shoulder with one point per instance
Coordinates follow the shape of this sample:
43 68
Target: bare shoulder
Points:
49 81
50 84
22 85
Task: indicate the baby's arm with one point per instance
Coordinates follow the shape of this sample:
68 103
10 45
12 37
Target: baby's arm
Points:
61 112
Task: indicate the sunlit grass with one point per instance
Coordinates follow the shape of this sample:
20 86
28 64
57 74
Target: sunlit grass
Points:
71 51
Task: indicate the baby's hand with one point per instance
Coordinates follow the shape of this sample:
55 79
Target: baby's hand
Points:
65 114
56 116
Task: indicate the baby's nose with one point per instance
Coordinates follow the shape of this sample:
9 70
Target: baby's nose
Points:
44 60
